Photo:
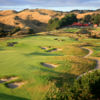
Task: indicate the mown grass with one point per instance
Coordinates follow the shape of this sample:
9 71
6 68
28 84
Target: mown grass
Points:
24 61
72 30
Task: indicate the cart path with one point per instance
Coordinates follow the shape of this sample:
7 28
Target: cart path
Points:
97 61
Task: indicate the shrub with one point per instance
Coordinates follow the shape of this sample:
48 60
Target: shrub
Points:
86 88
87 19
53 24
2 32
97 19
30 31
16 29
84 31
67 20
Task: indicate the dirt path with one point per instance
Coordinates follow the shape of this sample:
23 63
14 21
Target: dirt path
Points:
89 50
97 60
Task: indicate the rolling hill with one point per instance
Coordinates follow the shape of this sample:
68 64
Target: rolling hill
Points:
35 19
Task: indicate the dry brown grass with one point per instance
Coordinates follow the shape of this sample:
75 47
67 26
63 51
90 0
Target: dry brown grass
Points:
81 65
7 12
89 13
36 19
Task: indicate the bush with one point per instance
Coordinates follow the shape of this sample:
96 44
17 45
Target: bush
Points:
2 32
84 31
86 88
31 31
97 19
67 20
53 24
16 29
25 31
87 19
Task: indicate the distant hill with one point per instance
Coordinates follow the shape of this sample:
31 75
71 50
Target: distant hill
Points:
35 19
81 11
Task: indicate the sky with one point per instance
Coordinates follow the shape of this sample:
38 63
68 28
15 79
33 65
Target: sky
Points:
61 5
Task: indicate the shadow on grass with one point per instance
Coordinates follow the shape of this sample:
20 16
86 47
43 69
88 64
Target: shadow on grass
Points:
63 78
1 49
59 78
42 54
9 97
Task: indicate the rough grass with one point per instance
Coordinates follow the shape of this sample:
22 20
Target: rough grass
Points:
24 60
94 45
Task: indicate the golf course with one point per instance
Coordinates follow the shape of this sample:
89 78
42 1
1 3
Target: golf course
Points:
31 65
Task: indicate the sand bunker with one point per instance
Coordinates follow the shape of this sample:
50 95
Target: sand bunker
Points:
49 65
2 80
50 49
59 39
45 48
15 84
11 44
55 49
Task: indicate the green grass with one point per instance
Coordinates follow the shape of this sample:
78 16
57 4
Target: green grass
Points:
71 30
95 46
24 60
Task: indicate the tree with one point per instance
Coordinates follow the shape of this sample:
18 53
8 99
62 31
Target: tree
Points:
14 30
68 20
87 18
97 19
2 32
85 88
53 24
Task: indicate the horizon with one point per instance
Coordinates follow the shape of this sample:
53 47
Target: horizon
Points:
58 5
64 9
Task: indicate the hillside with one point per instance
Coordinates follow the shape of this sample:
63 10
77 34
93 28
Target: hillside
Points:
79 15
36 19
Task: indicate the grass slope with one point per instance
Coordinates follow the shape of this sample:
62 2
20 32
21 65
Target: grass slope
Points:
23 60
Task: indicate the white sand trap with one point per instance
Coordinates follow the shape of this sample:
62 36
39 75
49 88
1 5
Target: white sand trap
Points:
55 49
58 49
2 80
49 65
15 84
52 49
45 48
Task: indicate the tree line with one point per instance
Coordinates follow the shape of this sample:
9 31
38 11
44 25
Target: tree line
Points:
69 19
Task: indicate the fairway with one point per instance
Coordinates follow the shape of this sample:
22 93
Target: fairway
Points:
24 60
